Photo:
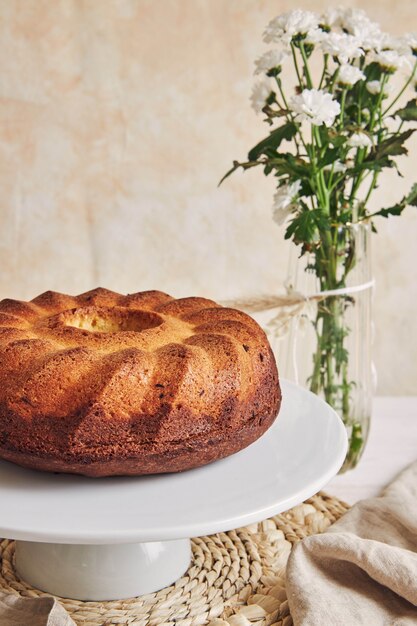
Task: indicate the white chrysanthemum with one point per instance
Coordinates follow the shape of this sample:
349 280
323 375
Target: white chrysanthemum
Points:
269 60
391 61
411 40
315 106
343 46
366 114
359 140
260 93
374 87
285 201
351 18
349 75
398 44
315 36
332 17
288 25
357 23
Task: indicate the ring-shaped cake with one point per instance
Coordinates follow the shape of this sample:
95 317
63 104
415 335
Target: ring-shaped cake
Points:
105 384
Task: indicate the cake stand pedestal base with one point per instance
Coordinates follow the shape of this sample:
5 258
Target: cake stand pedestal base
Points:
102 572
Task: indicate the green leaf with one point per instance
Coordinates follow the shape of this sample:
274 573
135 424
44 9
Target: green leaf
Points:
273 141
336 139
289 164
236 166
373 165
408 113
306 227
392 146
331 155
412 196
397 209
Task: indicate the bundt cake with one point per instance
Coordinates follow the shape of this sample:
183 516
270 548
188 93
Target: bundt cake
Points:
104 384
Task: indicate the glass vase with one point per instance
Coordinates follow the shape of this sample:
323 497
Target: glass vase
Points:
328 344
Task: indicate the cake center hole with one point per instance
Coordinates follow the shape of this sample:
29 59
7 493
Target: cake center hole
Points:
101 320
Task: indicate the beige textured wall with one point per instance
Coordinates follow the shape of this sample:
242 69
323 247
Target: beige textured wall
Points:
117 119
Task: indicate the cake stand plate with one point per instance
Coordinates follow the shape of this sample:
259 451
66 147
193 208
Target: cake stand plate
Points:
112 538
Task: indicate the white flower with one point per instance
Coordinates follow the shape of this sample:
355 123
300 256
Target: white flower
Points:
315 36
400 45
333 17
357 23
284 201
354 18
269 60
315 106
366 114
391 61
336 167
343 46
288 25
374 87
411 40
359 140
260 93
349 75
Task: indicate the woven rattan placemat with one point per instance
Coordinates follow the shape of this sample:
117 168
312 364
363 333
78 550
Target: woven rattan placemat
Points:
235 579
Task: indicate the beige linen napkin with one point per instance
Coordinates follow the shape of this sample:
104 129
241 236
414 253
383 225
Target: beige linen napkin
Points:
363 570
15 611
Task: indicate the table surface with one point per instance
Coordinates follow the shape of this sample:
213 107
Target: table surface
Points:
392 445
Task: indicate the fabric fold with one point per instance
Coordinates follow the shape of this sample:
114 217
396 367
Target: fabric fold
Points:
45 611
363 570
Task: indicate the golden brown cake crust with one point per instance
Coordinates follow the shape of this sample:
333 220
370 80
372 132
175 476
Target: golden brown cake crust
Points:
105 384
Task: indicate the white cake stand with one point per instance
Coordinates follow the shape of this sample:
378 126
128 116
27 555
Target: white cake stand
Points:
113 538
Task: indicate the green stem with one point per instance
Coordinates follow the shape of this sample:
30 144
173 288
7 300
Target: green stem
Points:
330 375
361 152
281 91
333 78
297 71
318 173
378 106
306 68
402 90
315 378
289 115
326 60
356 182
342 108
371 188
